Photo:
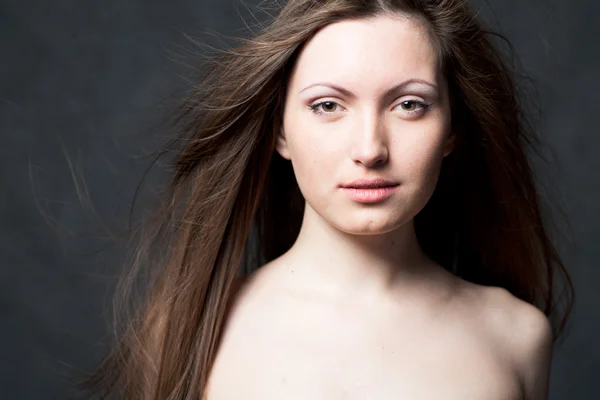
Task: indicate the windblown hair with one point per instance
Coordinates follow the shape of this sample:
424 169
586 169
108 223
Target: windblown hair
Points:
233 203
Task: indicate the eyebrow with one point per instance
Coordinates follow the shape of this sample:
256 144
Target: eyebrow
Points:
389 93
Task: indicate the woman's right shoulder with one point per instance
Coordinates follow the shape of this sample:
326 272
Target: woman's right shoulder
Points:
256 290
242 288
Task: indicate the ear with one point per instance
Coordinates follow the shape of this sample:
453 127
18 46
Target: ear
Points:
450 142
281 145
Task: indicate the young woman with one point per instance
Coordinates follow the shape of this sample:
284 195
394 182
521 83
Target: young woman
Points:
370 158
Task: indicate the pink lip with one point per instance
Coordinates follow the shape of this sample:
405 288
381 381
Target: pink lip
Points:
370 195
370 191
369 184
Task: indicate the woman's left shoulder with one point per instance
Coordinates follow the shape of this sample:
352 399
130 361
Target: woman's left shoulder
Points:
523 333
516 321
513 324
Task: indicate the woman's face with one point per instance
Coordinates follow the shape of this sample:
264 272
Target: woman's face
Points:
367 101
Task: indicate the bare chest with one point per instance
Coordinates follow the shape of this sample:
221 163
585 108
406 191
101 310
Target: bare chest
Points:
325 357
351 375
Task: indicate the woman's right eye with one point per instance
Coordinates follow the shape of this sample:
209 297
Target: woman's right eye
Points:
324 107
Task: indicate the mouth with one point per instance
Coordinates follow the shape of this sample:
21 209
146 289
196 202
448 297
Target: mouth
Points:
371 191
370 184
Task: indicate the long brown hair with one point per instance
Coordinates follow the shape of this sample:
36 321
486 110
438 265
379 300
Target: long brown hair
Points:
233 203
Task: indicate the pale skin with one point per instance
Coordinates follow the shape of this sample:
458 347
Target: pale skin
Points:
355 309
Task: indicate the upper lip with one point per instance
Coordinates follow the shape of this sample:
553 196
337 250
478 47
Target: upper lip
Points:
369 183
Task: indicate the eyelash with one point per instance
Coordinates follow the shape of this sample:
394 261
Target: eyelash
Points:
424 106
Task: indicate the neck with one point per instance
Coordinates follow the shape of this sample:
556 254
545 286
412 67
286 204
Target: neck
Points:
336 261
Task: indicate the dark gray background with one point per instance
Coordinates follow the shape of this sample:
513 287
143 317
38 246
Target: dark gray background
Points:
82 82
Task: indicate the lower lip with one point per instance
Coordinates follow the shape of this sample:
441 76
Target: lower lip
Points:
374 195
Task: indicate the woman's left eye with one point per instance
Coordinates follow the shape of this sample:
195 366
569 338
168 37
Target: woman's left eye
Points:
412 106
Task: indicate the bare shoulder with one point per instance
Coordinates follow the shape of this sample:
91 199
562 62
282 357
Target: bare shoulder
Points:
523 333
245 292
518 324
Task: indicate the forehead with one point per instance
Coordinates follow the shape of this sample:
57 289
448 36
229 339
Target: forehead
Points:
368 53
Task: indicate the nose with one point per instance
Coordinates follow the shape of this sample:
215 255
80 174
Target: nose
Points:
370 147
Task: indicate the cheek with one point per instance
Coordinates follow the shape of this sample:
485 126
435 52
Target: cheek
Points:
422 164
313 161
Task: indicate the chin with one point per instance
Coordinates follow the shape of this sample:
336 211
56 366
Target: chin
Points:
370 225
359 219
